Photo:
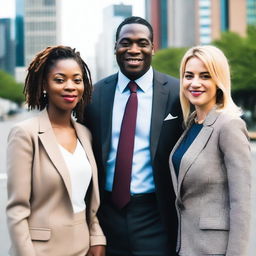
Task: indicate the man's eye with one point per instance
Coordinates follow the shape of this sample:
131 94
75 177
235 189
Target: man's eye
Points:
124 44
143 44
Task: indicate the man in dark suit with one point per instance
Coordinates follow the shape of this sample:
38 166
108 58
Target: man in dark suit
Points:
144 223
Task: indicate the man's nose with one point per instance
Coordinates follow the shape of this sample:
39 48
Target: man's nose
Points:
134 48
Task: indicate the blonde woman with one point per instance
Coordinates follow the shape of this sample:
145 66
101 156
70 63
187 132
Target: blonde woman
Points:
210 164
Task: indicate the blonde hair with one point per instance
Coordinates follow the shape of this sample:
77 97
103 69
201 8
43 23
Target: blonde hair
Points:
217 65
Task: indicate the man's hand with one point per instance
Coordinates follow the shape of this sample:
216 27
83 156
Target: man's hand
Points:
96 250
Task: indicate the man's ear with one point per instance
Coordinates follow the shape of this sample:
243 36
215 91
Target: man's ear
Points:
153 50
115 48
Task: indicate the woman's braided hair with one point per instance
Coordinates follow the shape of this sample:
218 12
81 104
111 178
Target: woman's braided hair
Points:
38 70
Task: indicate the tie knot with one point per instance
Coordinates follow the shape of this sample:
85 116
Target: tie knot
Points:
133 86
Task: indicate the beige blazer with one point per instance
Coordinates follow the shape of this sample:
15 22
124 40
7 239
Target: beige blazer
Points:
39 210
213 189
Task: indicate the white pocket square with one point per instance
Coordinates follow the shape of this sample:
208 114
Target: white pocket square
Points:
170 117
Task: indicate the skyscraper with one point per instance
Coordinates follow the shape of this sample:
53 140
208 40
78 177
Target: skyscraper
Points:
19 33
183 23
105 59
7 45
251 12
41 21
173 22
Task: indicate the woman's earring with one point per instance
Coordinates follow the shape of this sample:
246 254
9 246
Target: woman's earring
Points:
44 93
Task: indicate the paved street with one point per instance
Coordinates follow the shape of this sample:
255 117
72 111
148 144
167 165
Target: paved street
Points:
4 239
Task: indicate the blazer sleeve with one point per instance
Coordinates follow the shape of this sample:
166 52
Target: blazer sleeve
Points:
19 172
96 234
235 147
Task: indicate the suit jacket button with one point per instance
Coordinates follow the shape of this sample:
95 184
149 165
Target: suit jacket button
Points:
180 205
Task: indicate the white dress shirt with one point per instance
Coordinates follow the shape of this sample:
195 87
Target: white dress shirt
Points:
142 173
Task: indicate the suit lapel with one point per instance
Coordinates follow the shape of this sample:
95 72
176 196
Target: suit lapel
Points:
193 152
84 140
107 96
160 98
50 144
174 177
173 173
195 148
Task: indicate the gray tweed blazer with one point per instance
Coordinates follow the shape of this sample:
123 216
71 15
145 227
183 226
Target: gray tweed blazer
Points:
213 189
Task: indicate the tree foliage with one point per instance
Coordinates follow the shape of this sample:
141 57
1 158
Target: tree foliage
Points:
10 89
240 51
168 60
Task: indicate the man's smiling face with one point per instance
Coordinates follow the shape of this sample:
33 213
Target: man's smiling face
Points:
134 50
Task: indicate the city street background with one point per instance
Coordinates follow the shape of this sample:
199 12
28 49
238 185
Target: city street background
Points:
27 27
5 127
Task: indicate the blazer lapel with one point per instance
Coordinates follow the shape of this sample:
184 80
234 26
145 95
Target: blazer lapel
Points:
160 97
174 177
173 173
107 100
195 148
50 144
193 152
89 153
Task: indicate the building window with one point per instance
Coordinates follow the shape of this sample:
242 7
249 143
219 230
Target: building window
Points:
251 12
224 15
49 2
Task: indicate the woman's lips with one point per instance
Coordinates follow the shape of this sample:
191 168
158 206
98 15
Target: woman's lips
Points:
69 98
196 93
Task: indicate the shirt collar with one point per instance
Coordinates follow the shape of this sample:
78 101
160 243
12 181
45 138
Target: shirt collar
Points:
145 82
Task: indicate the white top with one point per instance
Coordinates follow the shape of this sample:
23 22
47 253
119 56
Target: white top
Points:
80 173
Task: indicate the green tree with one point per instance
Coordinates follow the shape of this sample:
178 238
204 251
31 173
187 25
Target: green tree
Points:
10 89
241 53
168 60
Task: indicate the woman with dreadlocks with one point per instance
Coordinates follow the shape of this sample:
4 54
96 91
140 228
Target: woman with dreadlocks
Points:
52 176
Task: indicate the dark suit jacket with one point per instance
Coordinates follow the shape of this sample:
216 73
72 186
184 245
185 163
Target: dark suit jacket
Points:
163 135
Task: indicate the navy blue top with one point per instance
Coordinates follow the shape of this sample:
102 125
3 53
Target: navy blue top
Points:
184 145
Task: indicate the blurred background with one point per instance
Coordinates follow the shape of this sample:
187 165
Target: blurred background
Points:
28 26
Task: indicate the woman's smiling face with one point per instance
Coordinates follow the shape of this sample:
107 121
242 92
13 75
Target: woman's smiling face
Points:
65 85
198 86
